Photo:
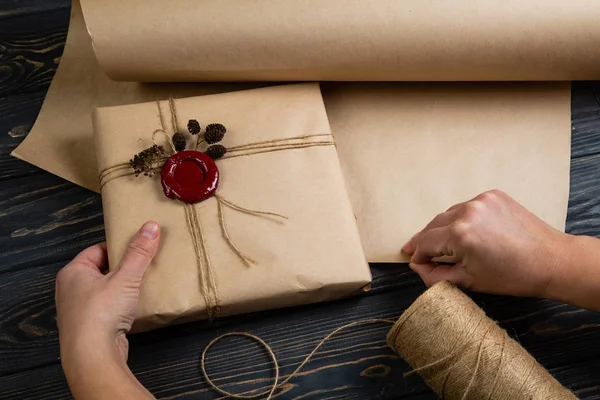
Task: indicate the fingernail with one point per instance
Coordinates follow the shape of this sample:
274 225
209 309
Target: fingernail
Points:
149 230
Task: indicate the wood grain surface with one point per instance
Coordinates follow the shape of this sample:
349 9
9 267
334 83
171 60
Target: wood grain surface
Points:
45 221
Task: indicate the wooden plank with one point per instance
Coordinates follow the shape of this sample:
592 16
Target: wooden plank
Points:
585 116
28 332
30 48
10 8
44 219
50 384
18 115
583 216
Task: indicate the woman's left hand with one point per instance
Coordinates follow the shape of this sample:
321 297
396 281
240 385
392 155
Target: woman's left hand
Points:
96 309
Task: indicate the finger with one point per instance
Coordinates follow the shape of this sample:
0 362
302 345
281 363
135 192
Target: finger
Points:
440 220
139 254
443 219
432 273
458 205
478 197
409 247
94 257
431 244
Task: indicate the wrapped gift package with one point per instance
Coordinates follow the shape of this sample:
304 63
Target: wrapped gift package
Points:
279 230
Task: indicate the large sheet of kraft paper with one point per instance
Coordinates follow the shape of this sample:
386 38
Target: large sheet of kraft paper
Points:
408 150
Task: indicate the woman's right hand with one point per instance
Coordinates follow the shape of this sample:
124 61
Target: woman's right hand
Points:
498 245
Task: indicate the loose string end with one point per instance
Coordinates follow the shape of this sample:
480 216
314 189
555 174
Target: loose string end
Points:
223 224
247 210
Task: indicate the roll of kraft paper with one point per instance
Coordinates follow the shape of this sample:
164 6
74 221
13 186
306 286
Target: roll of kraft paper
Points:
408 150
346 40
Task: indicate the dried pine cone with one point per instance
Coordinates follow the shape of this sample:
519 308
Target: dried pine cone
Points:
214 133
216 151
193 127
146 161
179 141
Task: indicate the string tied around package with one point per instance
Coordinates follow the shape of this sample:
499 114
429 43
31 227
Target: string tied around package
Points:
447 339
155 159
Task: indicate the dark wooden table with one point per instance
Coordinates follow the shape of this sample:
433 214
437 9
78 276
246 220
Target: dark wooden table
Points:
45 221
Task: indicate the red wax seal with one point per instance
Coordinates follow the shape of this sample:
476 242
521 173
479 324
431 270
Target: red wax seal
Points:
190 176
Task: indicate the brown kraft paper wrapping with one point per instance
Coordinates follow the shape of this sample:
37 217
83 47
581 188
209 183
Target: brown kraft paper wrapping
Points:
408 150
313 256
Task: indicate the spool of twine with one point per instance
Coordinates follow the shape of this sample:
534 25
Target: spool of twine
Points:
462 354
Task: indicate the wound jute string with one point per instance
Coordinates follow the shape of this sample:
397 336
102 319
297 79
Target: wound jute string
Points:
206 277
448 340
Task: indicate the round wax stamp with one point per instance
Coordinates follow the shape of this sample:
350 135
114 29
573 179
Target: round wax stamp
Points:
190 176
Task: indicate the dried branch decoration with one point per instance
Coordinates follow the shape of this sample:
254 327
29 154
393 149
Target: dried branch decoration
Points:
148 161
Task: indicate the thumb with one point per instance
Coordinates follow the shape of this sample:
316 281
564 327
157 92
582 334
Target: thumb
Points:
138 255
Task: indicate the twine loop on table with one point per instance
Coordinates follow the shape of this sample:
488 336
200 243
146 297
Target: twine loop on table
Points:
206 277
276 384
